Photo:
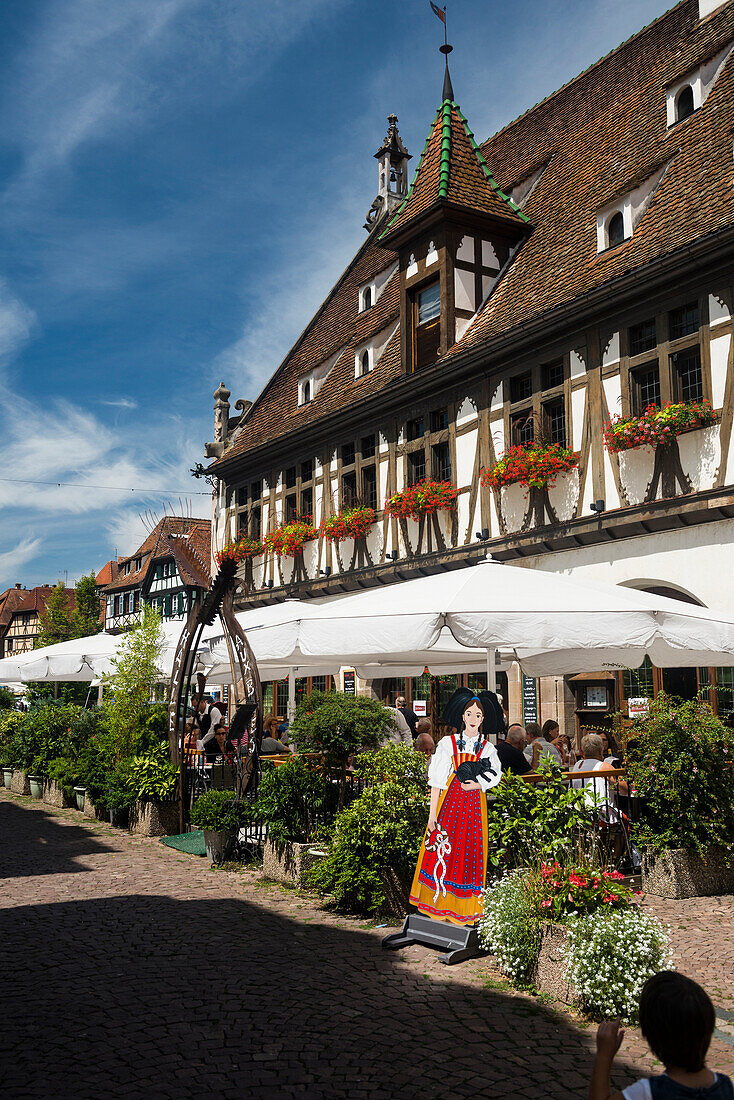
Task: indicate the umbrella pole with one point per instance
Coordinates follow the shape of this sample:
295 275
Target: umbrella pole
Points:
291 712
491 669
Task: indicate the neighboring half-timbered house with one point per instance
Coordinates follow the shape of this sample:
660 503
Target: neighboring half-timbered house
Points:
574 269
166 571
21 616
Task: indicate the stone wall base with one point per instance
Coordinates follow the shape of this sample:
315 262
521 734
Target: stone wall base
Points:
684 873
154 818
53 795
287 864
550 971
19 783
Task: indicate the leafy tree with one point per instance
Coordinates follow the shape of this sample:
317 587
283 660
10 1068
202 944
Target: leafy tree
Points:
7 699
130 686
56 621
85 620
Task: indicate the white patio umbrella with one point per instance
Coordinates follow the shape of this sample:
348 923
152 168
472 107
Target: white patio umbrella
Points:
552 624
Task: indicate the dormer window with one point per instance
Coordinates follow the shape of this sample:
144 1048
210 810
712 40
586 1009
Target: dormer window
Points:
366 297
615 229
684 105
363 363
426 324
307 391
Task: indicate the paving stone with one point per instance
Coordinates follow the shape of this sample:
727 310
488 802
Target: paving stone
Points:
142 972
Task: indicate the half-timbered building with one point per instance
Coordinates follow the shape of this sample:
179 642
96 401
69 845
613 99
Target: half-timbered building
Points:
572 270
166 571
21 616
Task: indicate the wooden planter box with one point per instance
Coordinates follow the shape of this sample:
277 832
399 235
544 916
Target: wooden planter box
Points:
154 818
289 862
550 970
684 873
53 795
19 783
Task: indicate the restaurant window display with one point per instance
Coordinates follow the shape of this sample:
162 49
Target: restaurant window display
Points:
451 871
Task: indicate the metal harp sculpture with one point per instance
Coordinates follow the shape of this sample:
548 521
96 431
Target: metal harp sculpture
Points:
246 698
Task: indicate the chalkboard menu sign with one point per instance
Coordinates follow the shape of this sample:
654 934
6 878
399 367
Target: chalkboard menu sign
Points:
350 681
529 699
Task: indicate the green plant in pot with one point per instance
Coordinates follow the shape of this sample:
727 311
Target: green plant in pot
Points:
220 816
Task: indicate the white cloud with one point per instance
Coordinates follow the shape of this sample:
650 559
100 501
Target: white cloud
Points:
119 403
16 322
12 560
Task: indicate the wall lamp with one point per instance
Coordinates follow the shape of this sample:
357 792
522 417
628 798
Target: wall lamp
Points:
269 584
325 572
597 506
482 535
393 555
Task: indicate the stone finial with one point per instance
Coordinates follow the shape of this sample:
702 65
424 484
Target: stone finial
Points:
221 412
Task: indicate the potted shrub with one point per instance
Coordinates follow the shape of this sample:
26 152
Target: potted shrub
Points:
152 780
35 782
62 777
220 815
7 776
680 760
375 840
117 799
423 499
294 801
351 523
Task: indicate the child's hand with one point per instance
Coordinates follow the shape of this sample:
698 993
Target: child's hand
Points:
609 1036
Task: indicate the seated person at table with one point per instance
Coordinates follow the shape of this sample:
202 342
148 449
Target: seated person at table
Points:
423 740
537 748
510 751
594 769
677 1019
271 746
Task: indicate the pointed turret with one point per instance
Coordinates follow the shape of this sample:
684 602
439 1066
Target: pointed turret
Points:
393 160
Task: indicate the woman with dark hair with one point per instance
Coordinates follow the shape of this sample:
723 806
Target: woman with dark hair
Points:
451 871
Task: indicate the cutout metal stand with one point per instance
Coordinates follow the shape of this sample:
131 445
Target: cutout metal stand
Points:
458 943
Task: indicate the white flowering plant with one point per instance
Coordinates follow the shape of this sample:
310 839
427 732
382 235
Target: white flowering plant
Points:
509 927
611 954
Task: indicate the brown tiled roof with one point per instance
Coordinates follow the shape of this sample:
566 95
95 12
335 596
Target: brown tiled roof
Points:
337 325
106 574
10 601
604 134
600 136
452 170
188 541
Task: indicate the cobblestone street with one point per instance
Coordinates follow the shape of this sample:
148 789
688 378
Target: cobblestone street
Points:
134 970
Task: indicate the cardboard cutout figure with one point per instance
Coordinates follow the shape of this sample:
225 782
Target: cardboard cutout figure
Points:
452 865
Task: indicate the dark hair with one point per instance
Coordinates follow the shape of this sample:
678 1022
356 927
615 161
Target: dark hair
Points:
548 726
532 729
677 1019
494 717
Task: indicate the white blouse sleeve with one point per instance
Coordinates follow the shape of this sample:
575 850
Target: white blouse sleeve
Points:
488 781
441 764
639 1091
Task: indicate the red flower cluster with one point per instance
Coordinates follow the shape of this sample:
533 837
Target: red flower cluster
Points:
566 890
535 464
656 426
422 499
349 524
289 540
242 549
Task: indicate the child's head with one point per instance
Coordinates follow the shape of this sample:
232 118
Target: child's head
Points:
677 1019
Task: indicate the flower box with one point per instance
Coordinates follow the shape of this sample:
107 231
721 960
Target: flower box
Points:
657 426
242 549
686 873
53 795
288 863
549 975
154 818
289 540
536 465
19 783
424 498
349 524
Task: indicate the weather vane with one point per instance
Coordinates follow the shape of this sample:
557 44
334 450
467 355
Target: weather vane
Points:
440 13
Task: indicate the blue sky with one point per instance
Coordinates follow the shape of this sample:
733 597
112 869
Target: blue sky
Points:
181 181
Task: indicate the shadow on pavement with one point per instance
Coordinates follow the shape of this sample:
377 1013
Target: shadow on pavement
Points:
36 844
145 995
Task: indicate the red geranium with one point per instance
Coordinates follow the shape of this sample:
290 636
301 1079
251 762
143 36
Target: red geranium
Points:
656 426
534 464
289 540
242 549
422 499
349 524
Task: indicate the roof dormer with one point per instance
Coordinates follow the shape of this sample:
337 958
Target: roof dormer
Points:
453 233
690 92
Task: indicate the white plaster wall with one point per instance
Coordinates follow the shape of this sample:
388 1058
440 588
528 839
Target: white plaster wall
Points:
613 394
465 251
382 475
635 471
719 358
699 455
611 353
718 312
466 447
375 541
611 494
696 560
514 506
705 7
563 496
489 256
466 413
497 398
578 370
578 408
464 289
